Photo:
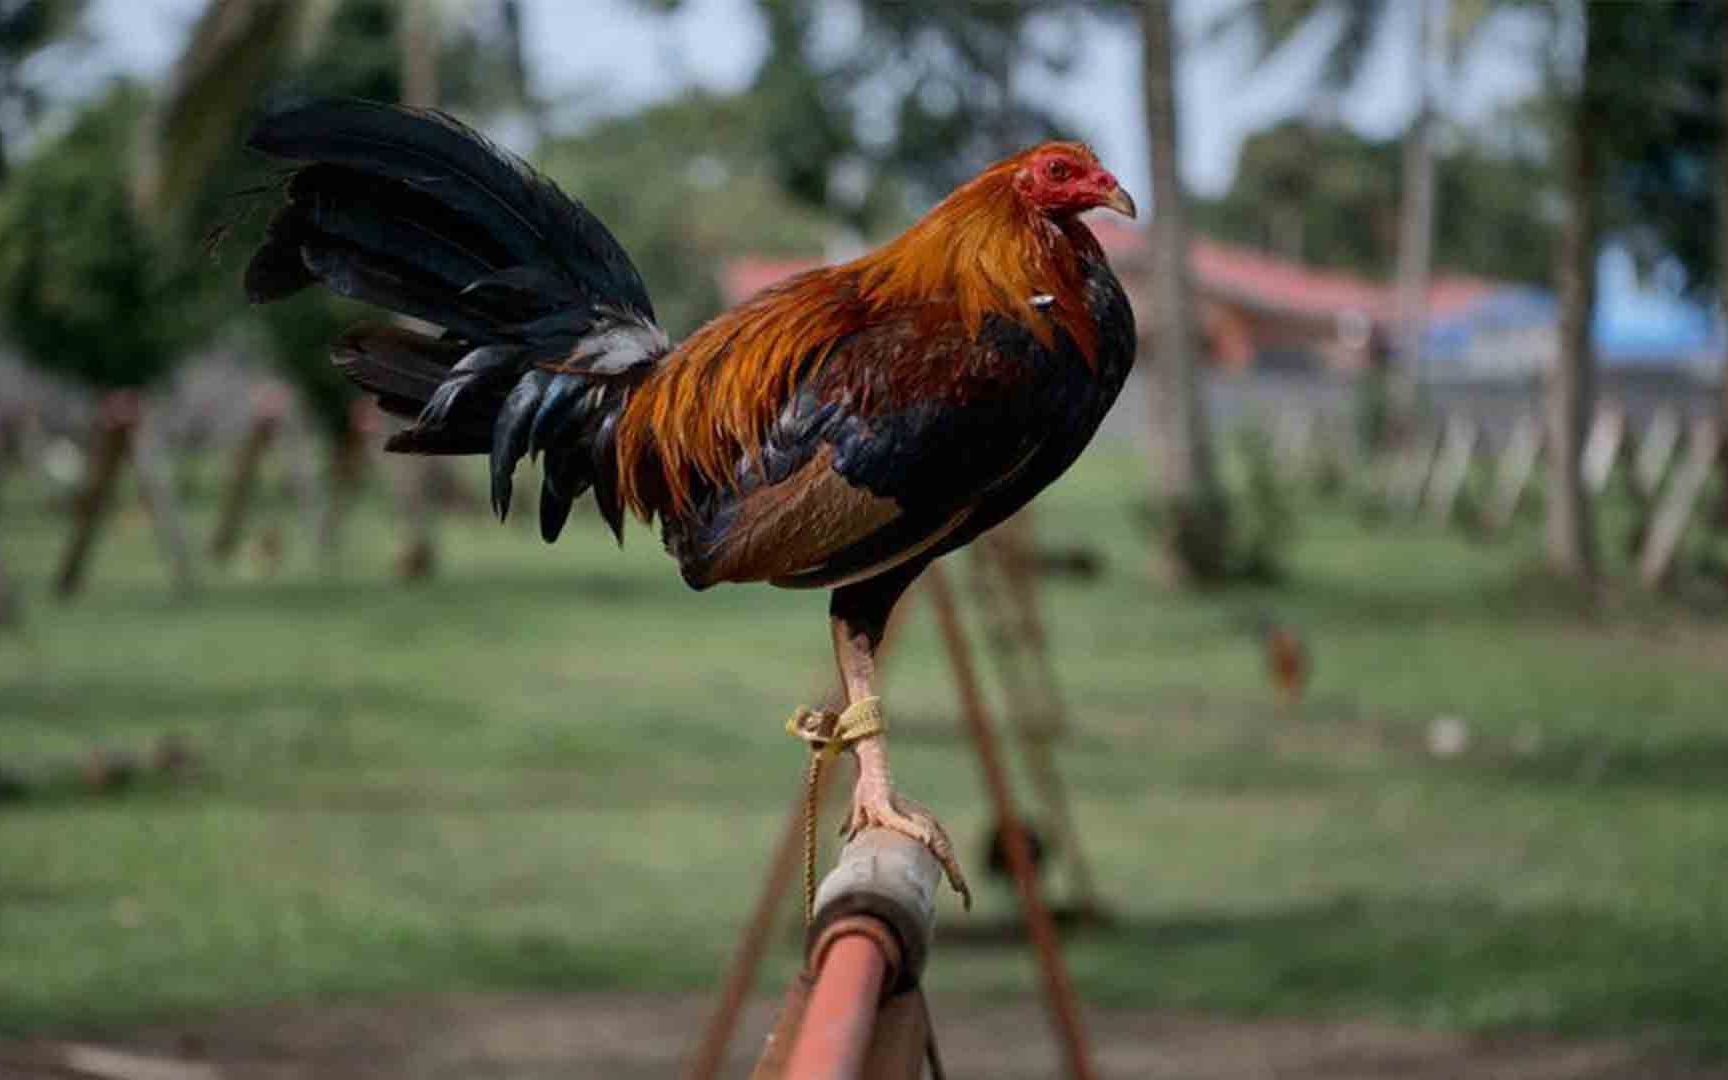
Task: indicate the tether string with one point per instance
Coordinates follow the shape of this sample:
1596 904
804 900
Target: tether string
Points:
827 734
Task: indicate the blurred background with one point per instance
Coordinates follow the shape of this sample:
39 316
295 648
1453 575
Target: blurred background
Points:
1386 622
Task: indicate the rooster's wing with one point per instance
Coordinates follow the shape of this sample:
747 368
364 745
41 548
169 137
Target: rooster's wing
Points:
905 442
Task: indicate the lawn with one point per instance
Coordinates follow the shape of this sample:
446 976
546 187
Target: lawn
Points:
558 768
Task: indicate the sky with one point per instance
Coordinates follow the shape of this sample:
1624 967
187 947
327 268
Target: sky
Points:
611 56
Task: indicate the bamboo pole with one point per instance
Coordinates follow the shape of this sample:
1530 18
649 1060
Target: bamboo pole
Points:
1058 990
1033 733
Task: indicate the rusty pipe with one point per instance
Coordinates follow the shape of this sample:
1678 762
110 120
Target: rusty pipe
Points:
840 1019
875 914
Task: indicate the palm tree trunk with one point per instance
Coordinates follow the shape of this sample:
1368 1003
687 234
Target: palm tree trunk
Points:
1416 217
1722 266
1571 534
1183 473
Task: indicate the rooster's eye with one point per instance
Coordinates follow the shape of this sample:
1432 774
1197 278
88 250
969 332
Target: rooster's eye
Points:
1057 170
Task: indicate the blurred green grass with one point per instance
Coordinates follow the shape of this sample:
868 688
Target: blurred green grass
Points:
558 768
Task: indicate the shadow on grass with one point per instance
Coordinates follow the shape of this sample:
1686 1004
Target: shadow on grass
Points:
1460 963
459 589
1237 742
158 705
531 960
1513 595
1697 762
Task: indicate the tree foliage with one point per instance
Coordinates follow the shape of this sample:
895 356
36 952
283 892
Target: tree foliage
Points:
358 55
1657 81
27 27
684 185
1276 23
85 289
1320 194
1659 133
926 95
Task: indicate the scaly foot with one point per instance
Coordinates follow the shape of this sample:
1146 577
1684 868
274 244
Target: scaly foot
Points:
876 805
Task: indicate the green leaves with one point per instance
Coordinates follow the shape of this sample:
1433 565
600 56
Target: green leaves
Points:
85 290
925 94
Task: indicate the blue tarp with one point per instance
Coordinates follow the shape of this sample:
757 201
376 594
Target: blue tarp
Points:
1636 323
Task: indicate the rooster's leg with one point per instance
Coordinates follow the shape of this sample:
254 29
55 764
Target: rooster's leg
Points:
858 616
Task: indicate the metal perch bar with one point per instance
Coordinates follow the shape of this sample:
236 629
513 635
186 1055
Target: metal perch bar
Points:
782 867
854 1011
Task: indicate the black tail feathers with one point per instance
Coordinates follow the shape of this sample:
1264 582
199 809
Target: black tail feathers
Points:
546 323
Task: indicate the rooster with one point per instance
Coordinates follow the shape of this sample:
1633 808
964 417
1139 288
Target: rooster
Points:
840 430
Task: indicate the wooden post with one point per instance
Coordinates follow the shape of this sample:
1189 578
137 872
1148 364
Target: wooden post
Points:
268 405
1410 473
116 418
1452 467
344 475
1677 508
1333 453
1656 451
1602 449
1058 990
1517 464
1649 457
1293 443
156 488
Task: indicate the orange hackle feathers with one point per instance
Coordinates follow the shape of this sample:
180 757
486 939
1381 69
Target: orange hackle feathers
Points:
983 250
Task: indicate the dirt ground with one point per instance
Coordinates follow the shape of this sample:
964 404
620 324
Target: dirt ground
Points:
636 1036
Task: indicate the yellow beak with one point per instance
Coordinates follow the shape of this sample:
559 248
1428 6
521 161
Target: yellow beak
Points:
1121 202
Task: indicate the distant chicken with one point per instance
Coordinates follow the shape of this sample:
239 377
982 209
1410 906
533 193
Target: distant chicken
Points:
1286 662
840 430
